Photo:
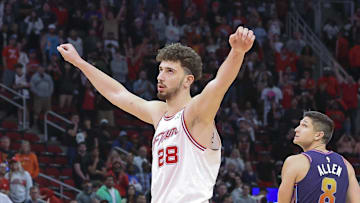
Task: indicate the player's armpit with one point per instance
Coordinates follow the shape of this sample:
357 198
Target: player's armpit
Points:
288 179
353 193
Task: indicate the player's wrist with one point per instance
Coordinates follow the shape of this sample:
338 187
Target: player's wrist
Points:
238 51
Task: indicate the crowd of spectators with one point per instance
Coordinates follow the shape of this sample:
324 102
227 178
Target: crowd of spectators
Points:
121 37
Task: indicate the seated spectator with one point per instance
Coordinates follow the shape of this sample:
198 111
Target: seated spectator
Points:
144 177
141 157
133 180
5 152
87 194
236 159
20 182
4 183
131 194
34 195
245 196
108 192
248 176
221 191
237 191
28 159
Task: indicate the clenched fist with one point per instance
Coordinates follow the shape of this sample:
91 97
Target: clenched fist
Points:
242 40
69 53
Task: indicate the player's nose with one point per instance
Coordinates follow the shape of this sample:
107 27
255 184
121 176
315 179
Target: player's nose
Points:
160 77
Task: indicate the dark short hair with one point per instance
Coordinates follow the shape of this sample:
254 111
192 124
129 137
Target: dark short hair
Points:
188 58
108 176
321 122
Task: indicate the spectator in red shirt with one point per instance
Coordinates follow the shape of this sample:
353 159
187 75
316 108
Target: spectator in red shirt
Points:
285 58
349 89
61 13
336 115
342 49
330 82
10 57
354 60
121 179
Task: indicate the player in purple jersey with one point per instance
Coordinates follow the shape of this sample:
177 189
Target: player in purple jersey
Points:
317 175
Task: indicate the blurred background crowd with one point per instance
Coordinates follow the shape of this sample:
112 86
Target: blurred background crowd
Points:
105 149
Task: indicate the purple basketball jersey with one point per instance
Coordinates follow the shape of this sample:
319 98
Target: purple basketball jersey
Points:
326 181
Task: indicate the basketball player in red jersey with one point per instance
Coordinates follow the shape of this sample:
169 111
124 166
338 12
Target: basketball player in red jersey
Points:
186 146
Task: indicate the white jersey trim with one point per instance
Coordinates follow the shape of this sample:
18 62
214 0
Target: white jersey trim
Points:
202 148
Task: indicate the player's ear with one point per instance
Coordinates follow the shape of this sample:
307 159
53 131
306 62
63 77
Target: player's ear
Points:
189 79
319 135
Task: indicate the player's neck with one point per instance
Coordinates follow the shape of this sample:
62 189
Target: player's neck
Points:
177 102
316 146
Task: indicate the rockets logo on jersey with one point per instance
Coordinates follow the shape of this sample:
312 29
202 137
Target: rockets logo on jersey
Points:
161 137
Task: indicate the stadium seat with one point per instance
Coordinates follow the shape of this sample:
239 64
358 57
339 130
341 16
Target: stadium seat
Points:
15 146
42 181
69 182
54 149
31 137
44 160
66 173
60 161
38 148
14 136
53 172
10 125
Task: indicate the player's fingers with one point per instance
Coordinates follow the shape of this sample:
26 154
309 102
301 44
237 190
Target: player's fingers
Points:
250 34
244 33
239 31
253 38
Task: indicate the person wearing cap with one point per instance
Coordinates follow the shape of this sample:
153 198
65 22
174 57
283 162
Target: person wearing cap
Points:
51 41
20 182
10 57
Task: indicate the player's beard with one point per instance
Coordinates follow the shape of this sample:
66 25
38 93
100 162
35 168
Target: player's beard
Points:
167 95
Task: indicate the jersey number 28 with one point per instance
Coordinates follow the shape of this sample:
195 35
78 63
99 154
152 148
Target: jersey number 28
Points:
328 186
169 155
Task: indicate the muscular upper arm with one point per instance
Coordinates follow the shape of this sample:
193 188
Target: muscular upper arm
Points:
353 193
289 176
147 111
205 105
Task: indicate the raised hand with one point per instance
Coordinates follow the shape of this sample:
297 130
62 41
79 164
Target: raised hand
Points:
242 40
69 53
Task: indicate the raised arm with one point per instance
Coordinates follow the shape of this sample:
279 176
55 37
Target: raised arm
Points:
205 105
116 93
